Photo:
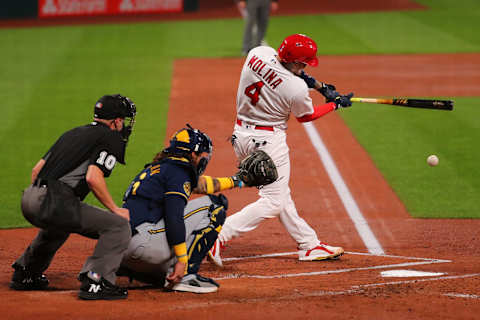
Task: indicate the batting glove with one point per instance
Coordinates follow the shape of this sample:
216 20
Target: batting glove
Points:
310 81
343 101
328 91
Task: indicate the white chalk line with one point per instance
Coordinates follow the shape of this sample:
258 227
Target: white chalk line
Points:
462 295
280 254
343 192
322 293
416 281
423 261
317 273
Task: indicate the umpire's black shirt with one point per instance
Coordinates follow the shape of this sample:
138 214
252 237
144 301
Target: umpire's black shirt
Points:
93 144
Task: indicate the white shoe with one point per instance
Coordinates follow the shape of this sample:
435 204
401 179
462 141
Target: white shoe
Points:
197 284
214 254
320 252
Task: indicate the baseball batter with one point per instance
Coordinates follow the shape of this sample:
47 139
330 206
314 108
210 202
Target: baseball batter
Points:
272 86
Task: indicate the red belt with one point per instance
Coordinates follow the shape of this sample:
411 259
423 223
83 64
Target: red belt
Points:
267 128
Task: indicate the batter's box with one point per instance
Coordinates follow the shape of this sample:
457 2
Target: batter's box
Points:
282 265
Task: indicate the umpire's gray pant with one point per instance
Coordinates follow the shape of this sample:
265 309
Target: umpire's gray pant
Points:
258 12
111 230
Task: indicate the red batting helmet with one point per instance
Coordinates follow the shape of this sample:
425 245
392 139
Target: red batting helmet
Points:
299 48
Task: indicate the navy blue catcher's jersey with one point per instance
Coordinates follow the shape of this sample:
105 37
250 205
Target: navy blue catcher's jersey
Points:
145 197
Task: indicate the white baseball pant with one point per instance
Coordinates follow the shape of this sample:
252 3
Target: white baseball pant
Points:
275 199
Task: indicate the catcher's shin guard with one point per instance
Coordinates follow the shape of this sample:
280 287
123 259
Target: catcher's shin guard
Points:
205 238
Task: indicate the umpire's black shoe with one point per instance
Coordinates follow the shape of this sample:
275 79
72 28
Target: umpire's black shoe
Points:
100 290
24 279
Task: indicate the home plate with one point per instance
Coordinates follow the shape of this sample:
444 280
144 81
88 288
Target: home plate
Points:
409 273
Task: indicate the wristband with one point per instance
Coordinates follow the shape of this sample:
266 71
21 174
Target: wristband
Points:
225 183
181 252
237 182
209 183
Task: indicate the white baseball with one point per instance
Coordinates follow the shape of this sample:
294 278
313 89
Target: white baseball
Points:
432 160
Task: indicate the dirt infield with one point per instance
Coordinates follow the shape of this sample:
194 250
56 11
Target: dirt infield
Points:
277 285
280 285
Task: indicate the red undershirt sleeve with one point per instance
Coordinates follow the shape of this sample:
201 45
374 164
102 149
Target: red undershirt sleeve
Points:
318 111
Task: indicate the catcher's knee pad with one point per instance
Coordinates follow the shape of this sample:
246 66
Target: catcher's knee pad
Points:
218 211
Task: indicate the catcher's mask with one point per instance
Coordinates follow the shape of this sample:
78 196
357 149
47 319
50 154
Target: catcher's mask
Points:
188 140
299 48
115 106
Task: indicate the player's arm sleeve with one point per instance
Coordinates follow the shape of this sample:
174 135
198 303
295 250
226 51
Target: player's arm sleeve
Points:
176 197
318 111
174 223
303 108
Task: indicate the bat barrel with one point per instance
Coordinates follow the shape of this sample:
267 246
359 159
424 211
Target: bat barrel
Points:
430 104
412 103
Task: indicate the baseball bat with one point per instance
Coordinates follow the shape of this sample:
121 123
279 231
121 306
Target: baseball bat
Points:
402 102
412 103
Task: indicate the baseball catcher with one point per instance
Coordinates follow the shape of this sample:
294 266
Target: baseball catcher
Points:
171 233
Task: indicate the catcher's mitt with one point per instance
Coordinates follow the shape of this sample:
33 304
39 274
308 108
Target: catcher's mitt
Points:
257 169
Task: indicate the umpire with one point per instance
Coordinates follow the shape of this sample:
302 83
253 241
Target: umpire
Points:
76 164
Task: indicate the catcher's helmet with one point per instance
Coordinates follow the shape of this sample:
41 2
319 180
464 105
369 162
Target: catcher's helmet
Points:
188 140
298 48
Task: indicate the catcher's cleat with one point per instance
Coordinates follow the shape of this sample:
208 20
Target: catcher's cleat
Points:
96 288
195 283
23 279
320 252
214 254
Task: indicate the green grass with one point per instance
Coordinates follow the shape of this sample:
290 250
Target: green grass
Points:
50 78
400 140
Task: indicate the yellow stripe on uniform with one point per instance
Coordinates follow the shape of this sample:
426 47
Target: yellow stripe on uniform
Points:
188 215
154 231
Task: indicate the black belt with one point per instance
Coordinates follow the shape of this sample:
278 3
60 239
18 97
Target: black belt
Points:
40 183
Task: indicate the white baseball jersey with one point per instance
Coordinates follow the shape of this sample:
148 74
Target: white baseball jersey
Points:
268 92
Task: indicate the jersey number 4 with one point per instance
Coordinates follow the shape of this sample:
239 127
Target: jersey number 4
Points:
253 91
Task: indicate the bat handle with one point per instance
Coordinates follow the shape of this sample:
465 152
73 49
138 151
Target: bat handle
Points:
372 100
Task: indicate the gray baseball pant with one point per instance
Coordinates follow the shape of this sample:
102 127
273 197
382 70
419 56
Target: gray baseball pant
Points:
258 12
149 251
112 231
